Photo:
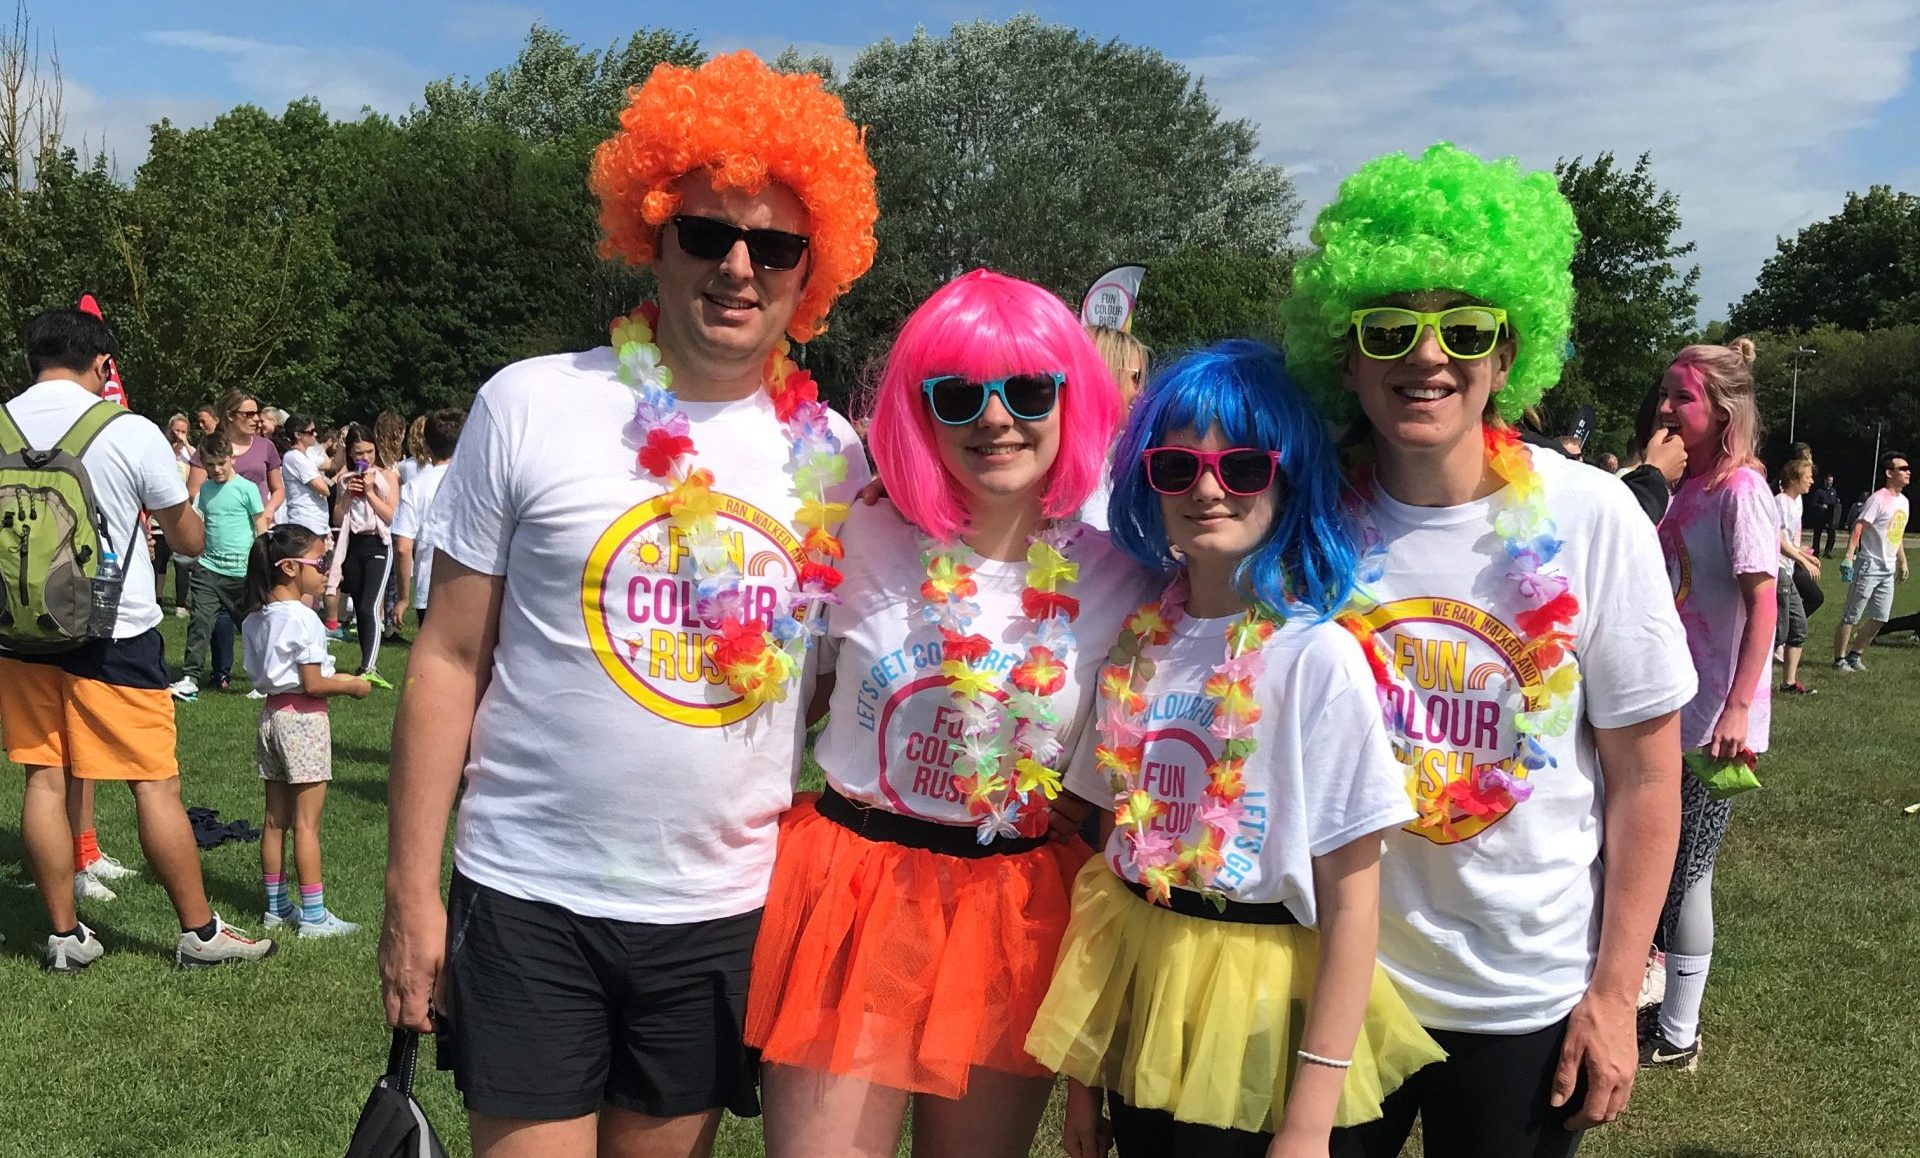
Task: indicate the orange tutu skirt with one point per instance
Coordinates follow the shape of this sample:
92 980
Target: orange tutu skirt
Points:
900 966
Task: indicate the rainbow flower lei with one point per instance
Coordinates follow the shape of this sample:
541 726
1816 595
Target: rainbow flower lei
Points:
1165 864
1004 777
758 659
1541 709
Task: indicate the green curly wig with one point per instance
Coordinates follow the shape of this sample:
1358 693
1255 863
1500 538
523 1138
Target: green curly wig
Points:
1446 221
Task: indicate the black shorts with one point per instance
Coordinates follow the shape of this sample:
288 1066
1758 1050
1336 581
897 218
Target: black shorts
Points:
1488 1099
551 1014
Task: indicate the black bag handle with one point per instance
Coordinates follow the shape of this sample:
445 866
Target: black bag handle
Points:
402 1056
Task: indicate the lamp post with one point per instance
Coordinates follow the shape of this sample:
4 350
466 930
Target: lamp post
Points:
1793 406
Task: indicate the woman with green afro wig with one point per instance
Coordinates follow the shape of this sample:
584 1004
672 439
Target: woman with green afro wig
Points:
1531 658
1445 221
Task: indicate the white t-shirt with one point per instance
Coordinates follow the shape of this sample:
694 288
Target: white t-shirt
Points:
893 738
1885 516
1492 926
132 468
408 470
611 772
1323 773
1790 508
410 520
304 505
1710 538
279 638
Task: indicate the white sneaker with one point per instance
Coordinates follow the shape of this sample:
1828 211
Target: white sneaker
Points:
190 952
256 694
72 954
186 691
182 613
108 869
87 887
327 926
1653 983
273 920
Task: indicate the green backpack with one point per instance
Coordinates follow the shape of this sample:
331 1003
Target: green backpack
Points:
51 536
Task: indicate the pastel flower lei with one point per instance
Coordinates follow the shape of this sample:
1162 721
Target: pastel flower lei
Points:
1007 782
758 659
1542 709
1165 864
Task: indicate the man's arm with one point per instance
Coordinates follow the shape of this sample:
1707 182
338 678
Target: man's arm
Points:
186 533
403 563
1640 774
451 665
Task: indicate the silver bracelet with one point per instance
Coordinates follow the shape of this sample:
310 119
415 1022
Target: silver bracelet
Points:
1332 1062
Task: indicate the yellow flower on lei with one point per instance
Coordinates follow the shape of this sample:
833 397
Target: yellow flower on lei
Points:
1035 775
632 329
1047 568
693 499
964 681
821 515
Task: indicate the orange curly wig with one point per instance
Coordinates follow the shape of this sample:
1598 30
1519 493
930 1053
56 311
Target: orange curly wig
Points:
745 125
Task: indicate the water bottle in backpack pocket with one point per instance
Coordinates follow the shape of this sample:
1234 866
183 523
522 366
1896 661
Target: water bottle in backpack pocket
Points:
57 587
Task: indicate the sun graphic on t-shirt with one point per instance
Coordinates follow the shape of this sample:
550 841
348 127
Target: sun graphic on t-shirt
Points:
649 554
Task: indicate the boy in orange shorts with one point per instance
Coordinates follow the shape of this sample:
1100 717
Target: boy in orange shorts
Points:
101 711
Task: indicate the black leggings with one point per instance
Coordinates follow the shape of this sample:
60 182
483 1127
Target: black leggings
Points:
1487 1100
1141 1133
363 578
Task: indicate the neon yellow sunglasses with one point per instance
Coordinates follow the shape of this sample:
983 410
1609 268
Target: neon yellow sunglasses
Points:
1466 333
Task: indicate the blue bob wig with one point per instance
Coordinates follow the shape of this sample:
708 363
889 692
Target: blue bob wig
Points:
1243 388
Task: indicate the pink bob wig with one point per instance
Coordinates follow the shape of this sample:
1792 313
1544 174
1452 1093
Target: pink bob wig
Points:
983 325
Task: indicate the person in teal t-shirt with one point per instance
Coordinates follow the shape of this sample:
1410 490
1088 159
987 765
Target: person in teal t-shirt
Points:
234 514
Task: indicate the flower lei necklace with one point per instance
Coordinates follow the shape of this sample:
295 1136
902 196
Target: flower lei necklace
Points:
1165 864
1541 709
757 658
1003 777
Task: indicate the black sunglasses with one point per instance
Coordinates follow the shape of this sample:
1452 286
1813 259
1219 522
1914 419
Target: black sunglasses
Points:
1242 471
711 240
956 400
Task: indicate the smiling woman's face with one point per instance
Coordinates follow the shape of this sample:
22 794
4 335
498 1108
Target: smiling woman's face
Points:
1426 399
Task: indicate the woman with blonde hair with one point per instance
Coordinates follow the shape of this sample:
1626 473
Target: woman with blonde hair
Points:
1126 358
1721 539
417 455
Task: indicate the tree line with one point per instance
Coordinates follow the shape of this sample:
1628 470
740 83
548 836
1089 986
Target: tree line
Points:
342 267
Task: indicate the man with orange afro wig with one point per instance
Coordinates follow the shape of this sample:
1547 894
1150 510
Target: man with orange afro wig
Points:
633 545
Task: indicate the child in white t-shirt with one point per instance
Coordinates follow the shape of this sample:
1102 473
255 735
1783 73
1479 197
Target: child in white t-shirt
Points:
286 647
1242 749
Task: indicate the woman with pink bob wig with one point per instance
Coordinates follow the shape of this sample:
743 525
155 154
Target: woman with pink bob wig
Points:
918 903
981 326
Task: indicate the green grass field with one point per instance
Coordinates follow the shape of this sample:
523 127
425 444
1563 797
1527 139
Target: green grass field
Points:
1812 1035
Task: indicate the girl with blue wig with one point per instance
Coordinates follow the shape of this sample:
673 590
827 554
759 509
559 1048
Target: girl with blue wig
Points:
1217 979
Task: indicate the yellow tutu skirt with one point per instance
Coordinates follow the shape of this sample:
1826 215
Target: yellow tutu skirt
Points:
1201 1018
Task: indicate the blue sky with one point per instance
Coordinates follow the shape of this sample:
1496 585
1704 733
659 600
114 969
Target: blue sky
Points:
1760 114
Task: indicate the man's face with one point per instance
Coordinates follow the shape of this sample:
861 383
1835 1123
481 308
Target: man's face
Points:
1426 399
1899 475
208 423
728 309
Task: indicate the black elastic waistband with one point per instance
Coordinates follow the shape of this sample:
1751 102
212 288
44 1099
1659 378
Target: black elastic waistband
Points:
1188 903
912 832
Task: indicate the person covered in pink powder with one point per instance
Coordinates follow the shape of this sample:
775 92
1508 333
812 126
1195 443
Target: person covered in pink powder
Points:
1721 540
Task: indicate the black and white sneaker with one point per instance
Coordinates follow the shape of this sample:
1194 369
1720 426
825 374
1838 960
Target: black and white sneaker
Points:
1656 1052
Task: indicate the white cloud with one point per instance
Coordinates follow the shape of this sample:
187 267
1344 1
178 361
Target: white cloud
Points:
1742 104
489 23
120 125
344 80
